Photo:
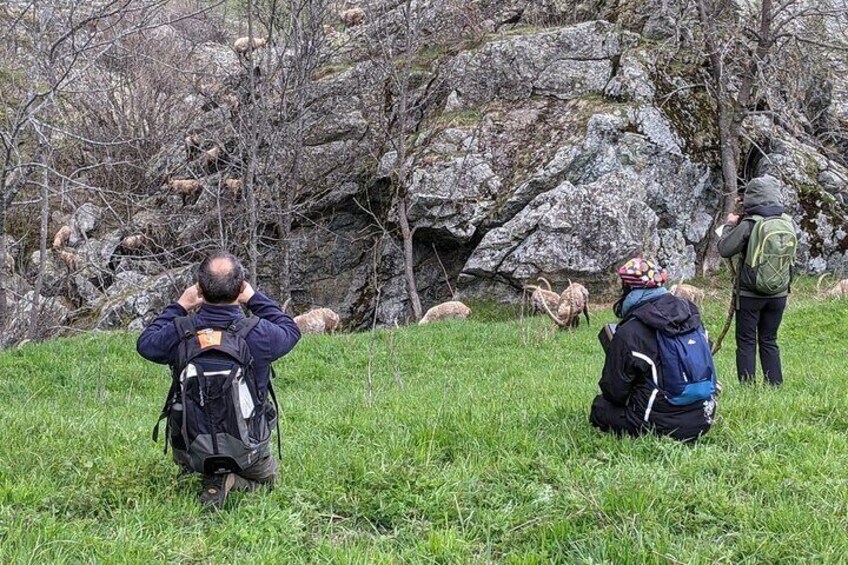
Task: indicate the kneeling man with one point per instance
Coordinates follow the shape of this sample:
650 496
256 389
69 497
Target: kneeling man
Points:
218 414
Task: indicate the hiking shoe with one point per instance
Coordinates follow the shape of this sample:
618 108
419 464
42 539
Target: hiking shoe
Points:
215 491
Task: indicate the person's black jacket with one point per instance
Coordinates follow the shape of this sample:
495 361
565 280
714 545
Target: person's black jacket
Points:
632 358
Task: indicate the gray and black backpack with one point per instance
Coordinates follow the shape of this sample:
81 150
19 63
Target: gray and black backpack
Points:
212 411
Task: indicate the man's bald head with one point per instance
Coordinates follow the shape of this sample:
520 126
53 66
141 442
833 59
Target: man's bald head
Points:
220 277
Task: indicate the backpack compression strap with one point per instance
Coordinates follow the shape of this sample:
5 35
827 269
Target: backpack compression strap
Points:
273 376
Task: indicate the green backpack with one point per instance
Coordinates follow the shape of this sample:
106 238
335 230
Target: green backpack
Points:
771 253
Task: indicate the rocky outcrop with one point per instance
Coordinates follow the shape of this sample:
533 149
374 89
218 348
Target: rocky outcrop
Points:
532 151
85 219
51 315
567 63
622 186
573 231
453 196
134 299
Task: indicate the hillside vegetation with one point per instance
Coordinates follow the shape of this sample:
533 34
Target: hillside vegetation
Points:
469 443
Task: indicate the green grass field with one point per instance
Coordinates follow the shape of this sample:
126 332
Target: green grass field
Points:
469 443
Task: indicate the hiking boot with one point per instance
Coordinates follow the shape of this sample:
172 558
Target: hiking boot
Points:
215 491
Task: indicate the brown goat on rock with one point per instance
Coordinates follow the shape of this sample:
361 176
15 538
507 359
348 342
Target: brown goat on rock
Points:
72 260
61 238
133 242
233 186
691 293
186 188
319 321
572 301
352 17
244 45
452 309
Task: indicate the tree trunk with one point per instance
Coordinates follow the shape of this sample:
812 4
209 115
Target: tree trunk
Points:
729 140
250 161
728 134
3 251
291 185
409 260
42 256
284 224
402 121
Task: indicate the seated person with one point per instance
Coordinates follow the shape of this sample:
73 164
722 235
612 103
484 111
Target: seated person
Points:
658 373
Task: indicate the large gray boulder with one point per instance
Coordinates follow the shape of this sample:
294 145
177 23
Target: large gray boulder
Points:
16 287
622 186
134 300
566 63
56 273
453 196
568 232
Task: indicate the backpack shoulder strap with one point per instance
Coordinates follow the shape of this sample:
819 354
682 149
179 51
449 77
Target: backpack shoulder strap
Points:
244 326
186 329
624 321
186 326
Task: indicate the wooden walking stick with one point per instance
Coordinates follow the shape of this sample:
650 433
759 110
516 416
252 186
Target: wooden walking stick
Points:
731 311
734 280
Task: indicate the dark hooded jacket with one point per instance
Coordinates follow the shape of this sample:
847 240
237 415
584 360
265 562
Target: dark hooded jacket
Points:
275 335
763 197
632 358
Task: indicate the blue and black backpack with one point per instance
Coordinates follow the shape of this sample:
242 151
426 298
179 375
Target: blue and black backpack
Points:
688 370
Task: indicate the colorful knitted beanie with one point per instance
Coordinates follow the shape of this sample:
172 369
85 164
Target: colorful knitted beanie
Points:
641 273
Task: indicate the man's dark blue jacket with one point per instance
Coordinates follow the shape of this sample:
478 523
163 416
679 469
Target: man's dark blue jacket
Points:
274 336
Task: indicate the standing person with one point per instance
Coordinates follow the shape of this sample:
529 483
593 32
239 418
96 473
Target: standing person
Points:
658 372
218 415
765 240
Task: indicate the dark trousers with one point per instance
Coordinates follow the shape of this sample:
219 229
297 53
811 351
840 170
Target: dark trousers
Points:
263 472
609 417
757 322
